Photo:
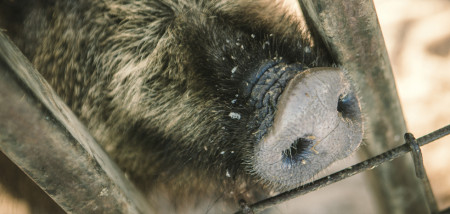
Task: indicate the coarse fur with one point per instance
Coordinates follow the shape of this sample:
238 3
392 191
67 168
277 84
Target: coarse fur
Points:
152 81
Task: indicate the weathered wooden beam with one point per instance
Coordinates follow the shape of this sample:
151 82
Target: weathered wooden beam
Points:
351 31
43 137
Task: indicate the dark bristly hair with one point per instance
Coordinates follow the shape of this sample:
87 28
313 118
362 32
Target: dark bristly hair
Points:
160 84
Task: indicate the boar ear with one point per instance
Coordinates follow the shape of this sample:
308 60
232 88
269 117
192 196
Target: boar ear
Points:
318 121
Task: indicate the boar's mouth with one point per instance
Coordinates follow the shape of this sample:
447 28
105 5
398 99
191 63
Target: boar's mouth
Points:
317 122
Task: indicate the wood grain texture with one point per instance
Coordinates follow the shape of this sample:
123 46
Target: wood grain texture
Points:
351 31
42 136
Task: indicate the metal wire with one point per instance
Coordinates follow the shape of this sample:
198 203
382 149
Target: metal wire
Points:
411 144
421 173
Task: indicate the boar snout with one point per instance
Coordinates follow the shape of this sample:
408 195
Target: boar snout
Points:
317 122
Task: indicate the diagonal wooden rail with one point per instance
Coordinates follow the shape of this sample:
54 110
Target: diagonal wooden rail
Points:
43 137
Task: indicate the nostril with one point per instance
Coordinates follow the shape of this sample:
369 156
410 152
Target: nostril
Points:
317 121
298 151
348 106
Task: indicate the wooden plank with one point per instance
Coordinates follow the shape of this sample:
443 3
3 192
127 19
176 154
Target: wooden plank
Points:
351 31
43 137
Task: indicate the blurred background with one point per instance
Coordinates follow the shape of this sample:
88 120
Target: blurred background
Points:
417 36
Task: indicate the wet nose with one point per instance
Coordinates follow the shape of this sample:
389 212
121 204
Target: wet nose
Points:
318 121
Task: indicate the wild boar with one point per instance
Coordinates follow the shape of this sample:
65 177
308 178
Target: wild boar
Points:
195 100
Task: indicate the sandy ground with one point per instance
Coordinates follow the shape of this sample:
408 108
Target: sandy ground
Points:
417 34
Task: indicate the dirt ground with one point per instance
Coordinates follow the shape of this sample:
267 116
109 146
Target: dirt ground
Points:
417 35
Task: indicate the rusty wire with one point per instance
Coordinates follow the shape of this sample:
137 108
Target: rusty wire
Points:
411 144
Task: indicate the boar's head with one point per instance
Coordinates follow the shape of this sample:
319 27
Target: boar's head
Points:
215 97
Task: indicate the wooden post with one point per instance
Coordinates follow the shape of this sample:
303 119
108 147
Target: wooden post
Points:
43 137
351 32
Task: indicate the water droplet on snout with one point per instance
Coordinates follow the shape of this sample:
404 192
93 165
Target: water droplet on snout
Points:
228 174
104 192
234 70
307 49
235 115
